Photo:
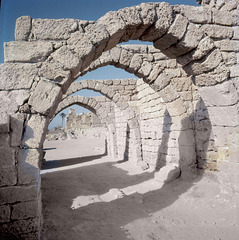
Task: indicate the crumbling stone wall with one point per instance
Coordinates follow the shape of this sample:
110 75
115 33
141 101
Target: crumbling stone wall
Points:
48 55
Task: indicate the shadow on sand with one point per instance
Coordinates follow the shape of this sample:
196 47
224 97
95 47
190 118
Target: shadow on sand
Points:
107 220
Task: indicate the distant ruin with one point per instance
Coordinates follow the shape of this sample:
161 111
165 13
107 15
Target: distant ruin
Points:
182 110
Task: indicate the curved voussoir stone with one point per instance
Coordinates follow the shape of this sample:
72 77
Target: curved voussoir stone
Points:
203 48
174 34
66 57
54 70
206 64
115 26
190 41
164 18
133 20
97 34
45 97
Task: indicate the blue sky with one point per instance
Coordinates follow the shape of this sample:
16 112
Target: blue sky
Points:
78 9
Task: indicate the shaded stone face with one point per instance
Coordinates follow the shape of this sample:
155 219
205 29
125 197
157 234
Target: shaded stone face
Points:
181 115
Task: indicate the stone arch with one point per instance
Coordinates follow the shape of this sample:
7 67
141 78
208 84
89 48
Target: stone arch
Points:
54 66
95 107
155 73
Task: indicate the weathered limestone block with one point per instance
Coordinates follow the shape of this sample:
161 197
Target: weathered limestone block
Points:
23 28
10 101
135 63
168 173
66 57
194 14
174 34
35 131
45 97
212 78
5 213
226 138
53 29
18 194
28 166
236 33
204 47
125 58
7 153
223 94
217 31
86 51
211 61
4 123
145 69
8 176
25 210
15 76
16 126
98 36
131 16
55 71
115 26
161 82
27 51
224 116
189 41
164 18
225 18
176 108
228 45
182 84
231 59
21 229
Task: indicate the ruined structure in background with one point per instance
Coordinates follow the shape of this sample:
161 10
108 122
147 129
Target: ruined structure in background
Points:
182 110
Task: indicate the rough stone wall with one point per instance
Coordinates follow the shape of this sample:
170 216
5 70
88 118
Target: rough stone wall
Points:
48 55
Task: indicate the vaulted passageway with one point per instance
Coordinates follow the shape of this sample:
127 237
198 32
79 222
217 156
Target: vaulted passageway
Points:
40 67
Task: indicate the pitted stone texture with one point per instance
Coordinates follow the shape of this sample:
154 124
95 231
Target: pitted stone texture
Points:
53 29
194 14
11 100
66 57
25 210
164 18
35 131
18 193
55 71
217 31
17 75
23 28
208 63
27 51
189 42
174 34
21 229
44 97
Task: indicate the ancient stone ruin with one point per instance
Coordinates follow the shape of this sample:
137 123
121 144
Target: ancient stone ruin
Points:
182 110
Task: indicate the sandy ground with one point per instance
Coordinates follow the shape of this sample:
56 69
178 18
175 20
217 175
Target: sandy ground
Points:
88 196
